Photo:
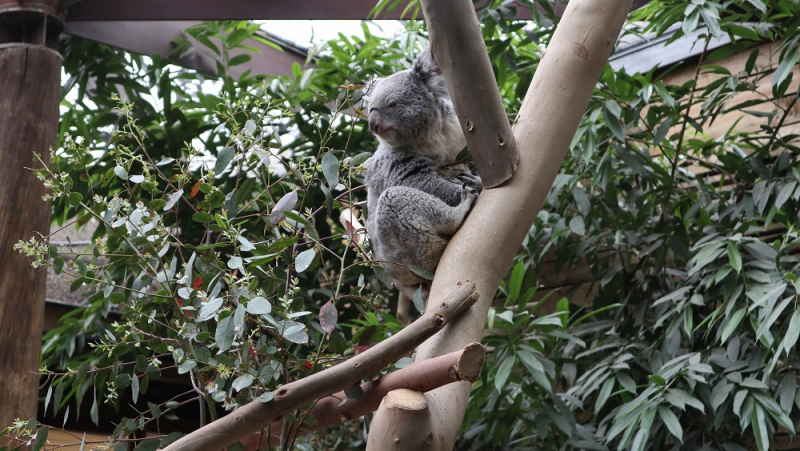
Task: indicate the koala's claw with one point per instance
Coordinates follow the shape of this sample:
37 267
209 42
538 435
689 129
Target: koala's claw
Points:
471 180
468 193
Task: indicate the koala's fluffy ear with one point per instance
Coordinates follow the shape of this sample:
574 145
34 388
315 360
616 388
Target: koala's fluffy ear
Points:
370 86
429 72
425 65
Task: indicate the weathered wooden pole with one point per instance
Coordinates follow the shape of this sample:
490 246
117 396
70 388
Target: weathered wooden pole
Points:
30 74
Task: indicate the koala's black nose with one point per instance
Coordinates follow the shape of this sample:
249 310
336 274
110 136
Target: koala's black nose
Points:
375 122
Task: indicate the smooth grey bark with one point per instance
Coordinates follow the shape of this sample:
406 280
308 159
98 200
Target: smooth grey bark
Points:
457 46
483 248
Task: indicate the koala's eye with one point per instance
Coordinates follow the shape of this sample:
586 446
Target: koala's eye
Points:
392 104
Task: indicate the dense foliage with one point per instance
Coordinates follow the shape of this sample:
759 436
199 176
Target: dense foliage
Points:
224 241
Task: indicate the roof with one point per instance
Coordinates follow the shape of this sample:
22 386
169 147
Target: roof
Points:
641 53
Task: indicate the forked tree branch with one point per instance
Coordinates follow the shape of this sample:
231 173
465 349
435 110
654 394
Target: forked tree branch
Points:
252 417
457 46
484 247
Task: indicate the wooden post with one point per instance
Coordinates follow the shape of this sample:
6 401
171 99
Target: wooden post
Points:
30 92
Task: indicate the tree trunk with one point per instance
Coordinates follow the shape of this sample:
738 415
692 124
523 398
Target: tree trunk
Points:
403 421
484 246
30 91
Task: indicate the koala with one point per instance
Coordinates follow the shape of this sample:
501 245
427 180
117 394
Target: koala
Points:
417 199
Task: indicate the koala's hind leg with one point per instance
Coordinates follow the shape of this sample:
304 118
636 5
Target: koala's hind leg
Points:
417 225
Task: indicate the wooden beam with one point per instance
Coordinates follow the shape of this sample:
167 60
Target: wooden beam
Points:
30 91
149 38
101 10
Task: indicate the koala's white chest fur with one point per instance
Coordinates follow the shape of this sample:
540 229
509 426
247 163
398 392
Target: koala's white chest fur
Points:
449 141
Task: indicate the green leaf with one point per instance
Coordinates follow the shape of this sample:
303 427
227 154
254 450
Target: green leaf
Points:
242 382
244 244
295 332
41 438
202 217
732 324
793 332
759 5
75 198
671 422
93 414
665 95
304 259
359 159
235 262
330 169
605 392
760 428
47 399
577 226
155 410
614 124
224 158
59 394
765 324
259 306
503 372
171 438
150 444
186 366
209 309
769 296
250 126
422 272
307 225
785 67
418 300
225 333
784 194
135 388
121 172
787 392
735 257
239 59
286 203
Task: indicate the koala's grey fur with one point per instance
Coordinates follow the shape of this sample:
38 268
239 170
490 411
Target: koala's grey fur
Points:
414 206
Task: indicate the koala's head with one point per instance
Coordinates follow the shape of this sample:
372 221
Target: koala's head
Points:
403 107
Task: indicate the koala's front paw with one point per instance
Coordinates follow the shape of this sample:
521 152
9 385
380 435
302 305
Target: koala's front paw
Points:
471 180
469 194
